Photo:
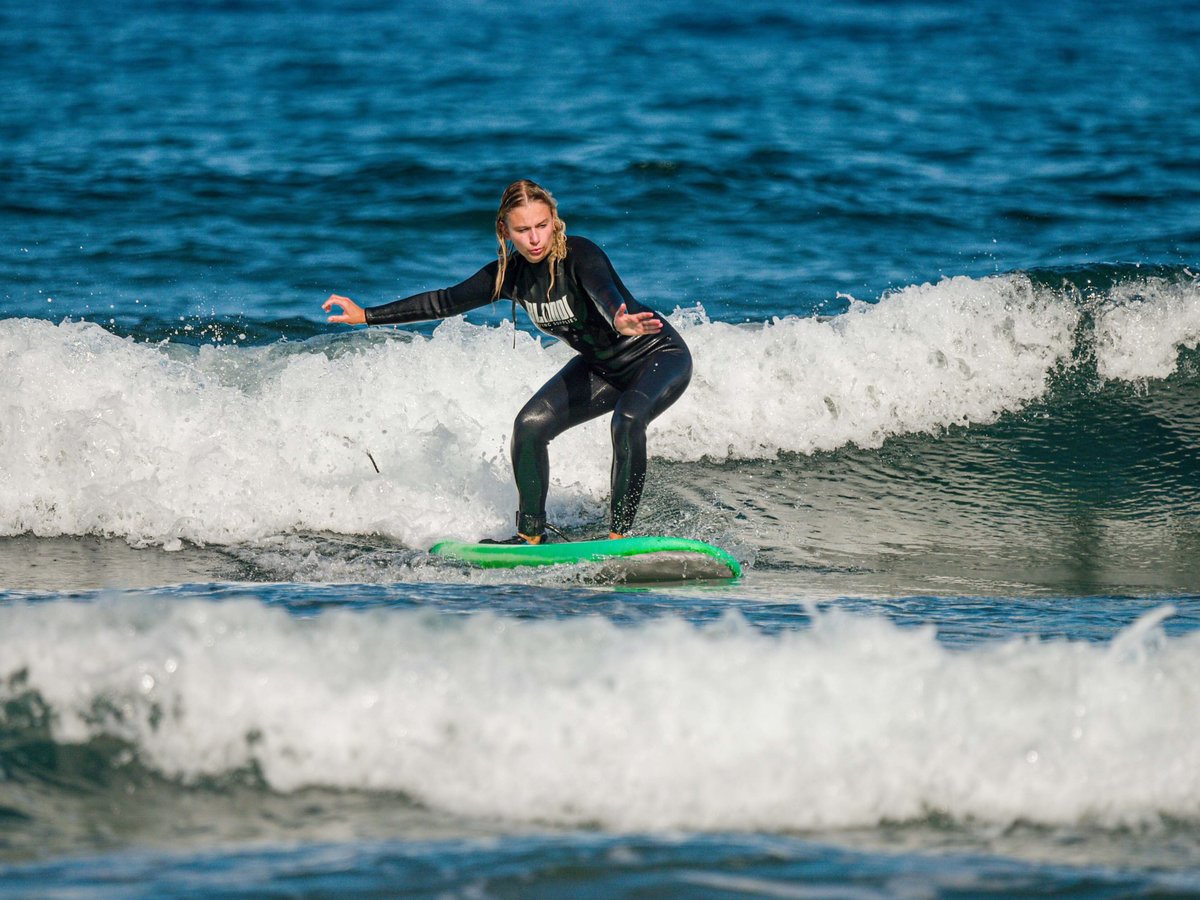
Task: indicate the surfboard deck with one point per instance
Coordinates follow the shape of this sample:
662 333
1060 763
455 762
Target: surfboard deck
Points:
656 558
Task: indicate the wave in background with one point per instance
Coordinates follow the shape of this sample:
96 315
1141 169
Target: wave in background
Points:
163 442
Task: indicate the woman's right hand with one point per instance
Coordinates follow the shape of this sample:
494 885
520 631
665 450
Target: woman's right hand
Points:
352 313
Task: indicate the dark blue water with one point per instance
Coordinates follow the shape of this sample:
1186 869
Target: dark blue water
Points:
937 263
241 158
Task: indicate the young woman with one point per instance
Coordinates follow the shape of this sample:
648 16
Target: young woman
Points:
631 363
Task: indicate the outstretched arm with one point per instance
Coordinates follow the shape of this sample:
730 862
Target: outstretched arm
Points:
352 313
440 304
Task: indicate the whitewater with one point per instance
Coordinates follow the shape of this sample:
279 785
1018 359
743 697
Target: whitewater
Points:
853 722
159 442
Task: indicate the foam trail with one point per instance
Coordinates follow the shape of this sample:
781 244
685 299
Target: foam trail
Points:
659 726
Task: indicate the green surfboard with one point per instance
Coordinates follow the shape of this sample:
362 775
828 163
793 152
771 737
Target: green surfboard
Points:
623 559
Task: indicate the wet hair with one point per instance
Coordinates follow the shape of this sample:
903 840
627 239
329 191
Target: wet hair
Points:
522 193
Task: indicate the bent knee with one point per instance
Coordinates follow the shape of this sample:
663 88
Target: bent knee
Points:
628 423
535 421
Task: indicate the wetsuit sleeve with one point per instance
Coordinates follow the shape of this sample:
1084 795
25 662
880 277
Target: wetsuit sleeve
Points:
476 291
595 274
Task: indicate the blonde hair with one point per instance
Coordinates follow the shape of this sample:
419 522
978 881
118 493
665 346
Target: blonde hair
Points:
522 193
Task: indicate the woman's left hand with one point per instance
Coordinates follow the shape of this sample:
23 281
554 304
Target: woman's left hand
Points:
633 324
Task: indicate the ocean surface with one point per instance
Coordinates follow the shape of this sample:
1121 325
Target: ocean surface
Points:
939 267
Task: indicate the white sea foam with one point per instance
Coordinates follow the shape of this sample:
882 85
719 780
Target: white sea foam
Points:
1143 326
957 352
659 726
159 443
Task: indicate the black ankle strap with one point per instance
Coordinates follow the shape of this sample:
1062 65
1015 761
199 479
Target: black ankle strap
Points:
531 525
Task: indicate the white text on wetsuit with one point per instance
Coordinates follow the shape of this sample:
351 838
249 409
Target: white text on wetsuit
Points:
556 312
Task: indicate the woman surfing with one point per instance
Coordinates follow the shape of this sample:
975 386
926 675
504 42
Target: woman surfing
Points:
630 361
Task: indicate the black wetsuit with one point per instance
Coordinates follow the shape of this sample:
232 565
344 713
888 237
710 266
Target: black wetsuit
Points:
635 378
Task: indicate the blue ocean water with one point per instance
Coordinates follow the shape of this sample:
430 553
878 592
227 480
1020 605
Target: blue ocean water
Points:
937 264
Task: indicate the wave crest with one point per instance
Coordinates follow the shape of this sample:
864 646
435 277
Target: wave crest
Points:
853 722
164 442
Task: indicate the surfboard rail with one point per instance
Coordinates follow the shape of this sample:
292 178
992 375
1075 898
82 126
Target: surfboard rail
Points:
662 552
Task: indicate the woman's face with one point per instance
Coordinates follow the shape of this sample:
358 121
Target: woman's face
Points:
531 229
